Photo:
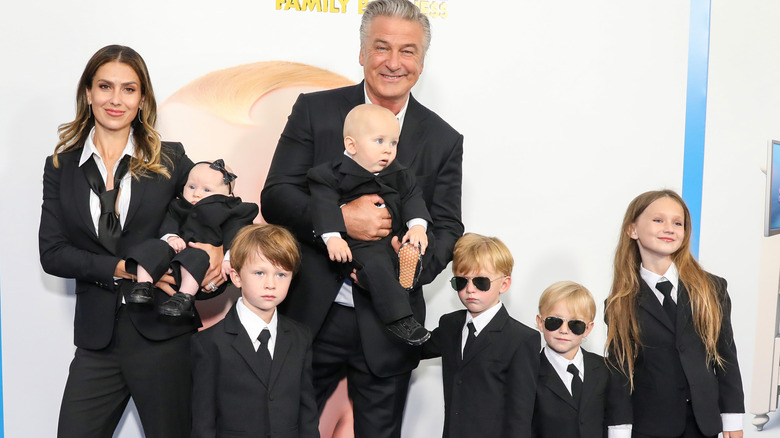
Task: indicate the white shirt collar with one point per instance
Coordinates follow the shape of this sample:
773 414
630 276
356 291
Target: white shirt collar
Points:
253 324
651 278
560 364
90 149
401 114
483 319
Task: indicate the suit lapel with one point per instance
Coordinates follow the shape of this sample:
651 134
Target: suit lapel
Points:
485 338
684 316
591 381
81 193
281 349
649 302
413 133
243 345
550 378
137 189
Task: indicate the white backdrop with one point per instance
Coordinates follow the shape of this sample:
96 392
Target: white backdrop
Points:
569 109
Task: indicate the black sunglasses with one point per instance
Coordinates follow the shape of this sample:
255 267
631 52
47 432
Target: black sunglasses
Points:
481 283
553 323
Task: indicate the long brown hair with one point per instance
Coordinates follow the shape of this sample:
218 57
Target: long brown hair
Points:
623 341
148 148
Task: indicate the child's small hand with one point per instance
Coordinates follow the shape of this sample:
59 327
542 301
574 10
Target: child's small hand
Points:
177 243
416 235
226 268
338 250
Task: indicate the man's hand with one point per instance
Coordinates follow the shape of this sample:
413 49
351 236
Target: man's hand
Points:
364 220
338 250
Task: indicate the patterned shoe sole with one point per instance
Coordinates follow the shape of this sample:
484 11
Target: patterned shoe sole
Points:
409 265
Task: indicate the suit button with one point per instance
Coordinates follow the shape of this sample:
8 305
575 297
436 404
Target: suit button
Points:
681 348
460 382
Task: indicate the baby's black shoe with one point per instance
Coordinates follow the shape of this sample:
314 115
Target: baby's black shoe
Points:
409 330
141 293
180 304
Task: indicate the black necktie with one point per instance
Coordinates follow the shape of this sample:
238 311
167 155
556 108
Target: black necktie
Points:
470 338
109 228
665 287
576 383
262 351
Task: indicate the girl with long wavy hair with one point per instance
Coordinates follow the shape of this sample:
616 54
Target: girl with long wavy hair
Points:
670 344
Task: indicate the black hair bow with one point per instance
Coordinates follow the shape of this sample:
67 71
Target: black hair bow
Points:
219 165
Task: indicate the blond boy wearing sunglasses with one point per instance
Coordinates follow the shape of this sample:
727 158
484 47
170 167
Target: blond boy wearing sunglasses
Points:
572 389
489 360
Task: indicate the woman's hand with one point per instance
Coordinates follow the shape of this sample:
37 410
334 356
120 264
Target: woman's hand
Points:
120 272
214 274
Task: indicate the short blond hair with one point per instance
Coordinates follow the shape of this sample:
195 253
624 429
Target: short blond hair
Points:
474 252
274 243
577 297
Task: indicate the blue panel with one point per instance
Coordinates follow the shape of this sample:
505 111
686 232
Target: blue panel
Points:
696 114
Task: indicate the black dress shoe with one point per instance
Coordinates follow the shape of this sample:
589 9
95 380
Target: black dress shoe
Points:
180 304
141 293
410 331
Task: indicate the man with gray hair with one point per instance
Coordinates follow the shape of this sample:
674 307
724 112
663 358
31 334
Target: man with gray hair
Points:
350 340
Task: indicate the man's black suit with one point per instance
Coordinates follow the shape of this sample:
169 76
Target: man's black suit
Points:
343 180
69 248
230 389
490 392
433 151
556 414
671 363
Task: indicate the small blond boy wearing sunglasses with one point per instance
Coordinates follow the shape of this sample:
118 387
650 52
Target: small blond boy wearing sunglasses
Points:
489 360
571 392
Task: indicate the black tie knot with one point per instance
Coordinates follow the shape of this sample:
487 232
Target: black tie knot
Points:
472 329
263 337
108 201
665 287
573 369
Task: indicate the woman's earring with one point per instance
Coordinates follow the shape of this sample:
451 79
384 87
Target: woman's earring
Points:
90 109
139 115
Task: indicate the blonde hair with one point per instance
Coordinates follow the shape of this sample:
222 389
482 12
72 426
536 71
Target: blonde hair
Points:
273 242
230 93
623 337
577 297
474 252
148 147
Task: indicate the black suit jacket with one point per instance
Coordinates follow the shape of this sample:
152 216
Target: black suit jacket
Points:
657 405
556 415
69 246
344 180
491 392
428 146
229 389
214 220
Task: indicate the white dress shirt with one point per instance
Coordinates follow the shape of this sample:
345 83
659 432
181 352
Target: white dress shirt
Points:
123 201
480 322
560 364
253 325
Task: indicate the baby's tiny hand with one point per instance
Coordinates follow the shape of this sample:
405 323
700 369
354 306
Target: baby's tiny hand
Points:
417 236
338 250
226 268
177 243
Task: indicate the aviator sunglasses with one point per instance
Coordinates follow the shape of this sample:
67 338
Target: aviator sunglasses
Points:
481 283
553 323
